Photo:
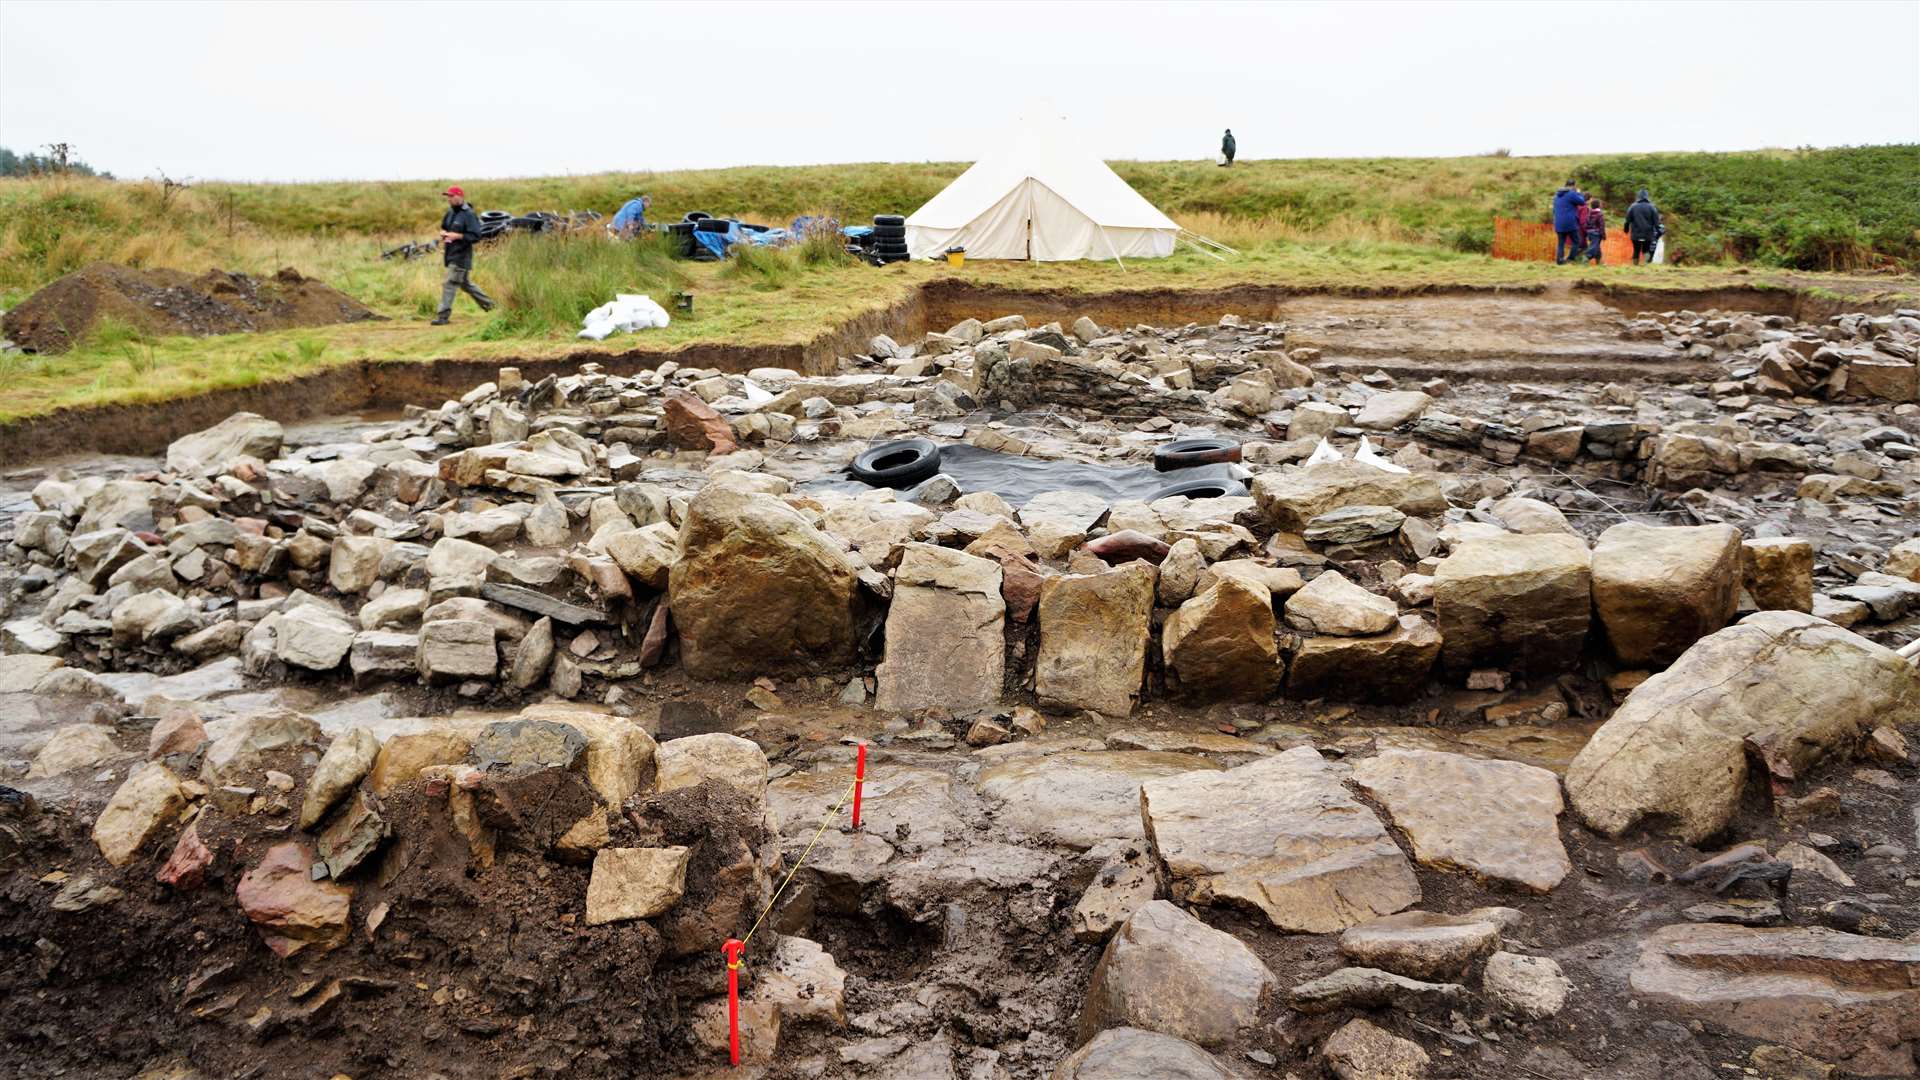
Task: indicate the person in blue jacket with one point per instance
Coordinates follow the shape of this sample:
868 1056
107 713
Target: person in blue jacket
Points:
631 218
1566 222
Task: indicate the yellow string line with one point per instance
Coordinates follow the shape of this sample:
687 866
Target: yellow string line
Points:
824 822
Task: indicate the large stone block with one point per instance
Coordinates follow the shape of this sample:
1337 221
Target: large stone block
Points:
1093 639
1281 836
1521 603
1220 644
1291 497
946 644
1849 1000
1659 589
1389 667
757 589
1677 750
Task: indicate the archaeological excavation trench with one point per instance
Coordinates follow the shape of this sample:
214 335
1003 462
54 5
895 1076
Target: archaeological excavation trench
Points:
1515 689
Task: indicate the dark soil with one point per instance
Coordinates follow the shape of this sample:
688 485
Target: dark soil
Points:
448 971
159 301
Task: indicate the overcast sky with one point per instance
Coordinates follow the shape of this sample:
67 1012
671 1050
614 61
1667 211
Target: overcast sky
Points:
347 89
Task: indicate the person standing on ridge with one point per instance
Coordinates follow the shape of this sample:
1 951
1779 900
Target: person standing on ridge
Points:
1227 147
1643 227
1566 222
459 228
1595 230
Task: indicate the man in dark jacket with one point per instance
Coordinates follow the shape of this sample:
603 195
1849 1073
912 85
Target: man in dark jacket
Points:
1643 227
1566 222
458 231
1228 146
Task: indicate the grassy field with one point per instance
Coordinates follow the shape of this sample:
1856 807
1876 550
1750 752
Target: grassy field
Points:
1327 223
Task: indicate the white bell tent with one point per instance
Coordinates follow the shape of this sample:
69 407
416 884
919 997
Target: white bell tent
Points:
1041 196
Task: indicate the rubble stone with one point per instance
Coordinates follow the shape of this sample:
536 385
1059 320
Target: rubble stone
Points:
1330 604
635 883
1778 573
1421 944
1126 1053
292 909
210 452
144 803
1167 971
347 761
1292 497
72 748
1361 1051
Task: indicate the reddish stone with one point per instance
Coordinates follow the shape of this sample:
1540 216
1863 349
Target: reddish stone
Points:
292 910
659 629
1128 545
1019 580
256 526
186 868
178 731
692 424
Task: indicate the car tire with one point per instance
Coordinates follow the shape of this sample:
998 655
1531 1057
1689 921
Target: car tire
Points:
899 464
709 224
1201 489
889 219
696 215
1186 453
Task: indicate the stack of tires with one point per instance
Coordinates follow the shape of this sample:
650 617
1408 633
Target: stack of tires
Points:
889 241
680 238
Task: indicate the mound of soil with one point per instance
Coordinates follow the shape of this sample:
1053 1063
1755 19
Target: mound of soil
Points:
163 301
448 971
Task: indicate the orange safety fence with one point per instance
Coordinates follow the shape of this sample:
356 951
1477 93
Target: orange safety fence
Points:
1534 241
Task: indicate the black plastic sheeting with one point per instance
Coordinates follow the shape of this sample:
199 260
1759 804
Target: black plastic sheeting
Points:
1018 479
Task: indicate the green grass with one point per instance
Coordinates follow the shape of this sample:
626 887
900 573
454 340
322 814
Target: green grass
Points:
1842 209
1386 223
546 284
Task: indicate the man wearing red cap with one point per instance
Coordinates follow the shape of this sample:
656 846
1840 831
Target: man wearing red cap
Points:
458 231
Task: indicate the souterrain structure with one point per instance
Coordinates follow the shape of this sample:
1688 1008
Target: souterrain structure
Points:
1449 686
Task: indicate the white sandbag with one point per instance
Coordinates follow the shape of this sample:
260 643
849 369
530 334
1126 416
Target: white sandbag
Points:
756 394
1324 453
628 312
1369 456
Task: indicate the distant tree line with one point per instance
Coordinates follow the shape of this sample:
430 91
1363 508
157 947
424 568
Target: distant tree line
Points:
59 158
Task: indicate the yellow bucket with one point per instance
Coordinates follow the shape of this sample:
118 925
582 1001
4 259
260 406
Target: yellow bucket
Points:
957 257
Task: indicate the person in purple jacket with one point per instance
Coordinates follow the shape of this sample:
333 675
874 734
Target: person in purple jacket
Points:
1566 222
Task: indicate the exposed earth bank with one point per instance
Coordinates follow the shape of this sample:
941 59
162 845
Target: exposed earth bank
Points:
161 301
